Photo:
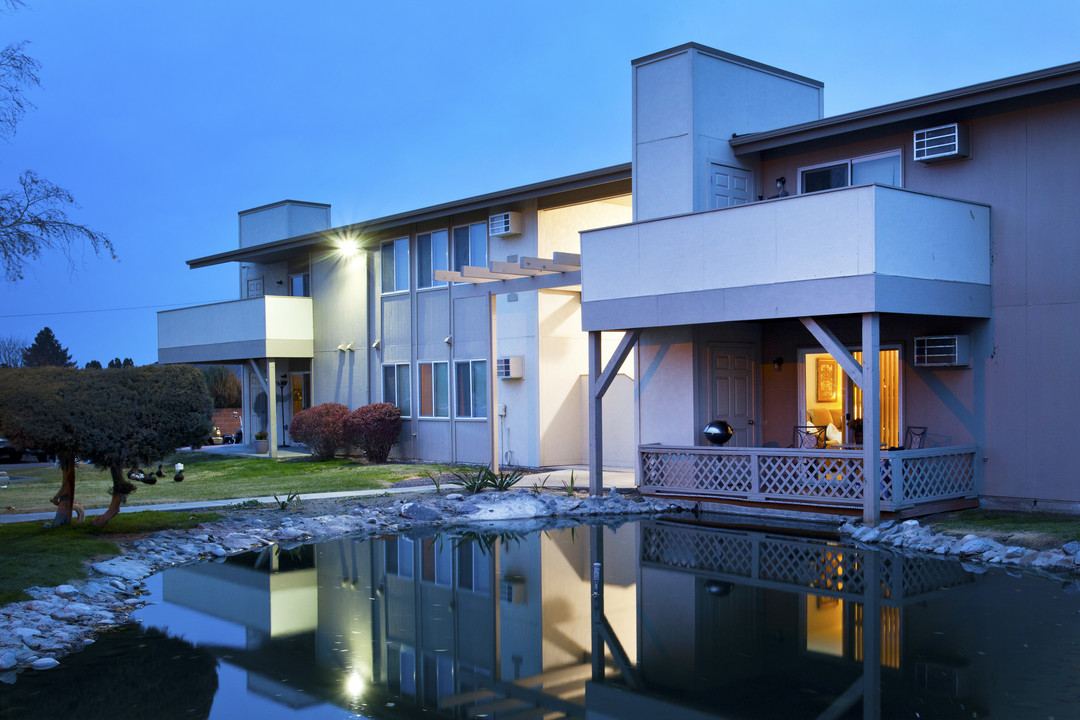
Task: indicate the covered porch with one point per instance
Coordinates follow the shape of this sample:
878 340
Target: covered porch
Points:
842 284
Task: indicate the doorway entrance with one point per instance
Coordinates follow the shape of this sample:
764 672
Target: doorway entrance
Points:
732 369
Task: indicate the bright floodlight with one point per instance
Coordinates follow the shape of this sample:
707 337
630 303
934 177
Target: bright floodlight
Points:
348 247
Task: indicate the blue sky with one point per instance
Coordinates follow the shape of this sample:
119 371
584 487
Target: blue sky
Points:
165 119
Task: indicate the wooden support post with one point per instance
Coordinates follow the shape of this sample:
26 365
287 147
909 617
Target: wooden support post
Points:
596 419
271 405
871 417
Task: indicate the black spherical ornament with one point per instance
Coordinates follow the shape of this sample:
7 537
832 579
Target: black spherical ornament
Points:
718 432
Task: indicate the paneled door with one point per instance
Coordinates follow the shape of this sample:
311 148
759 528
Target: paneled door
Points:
731 390
728 186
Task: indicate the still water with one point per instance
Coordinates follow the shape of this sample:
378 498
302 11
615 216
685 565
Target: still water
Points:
691 621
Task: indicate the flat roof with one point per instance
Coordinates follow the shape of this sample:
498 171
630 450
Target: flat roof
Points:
1015 92
568 188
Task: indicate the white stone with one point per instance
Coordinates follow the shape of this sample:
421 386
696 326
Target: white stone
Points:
66 590
124 568
45 663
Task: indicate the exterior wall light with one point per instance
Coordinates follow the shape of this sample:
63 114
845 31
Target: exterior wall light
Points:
778 363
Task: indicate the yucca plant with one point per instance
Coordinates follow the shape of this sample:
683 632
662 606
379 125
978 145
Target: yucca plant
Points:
471 479
505 479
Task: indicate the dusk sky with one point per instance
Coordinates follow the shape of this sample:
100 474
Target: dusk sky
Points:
166 119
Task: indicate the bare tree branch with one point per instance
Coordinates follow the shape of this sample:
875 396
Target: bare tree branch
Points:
11 351
34 218
18 73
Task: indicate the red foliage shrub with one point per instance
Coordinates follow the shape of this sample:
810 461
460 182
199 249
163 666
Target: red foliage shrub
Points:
321 428
374 429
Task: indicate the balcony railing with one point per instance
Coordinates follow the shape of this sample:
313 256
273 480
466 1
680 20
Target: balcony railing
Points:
905 479
853 250
275 326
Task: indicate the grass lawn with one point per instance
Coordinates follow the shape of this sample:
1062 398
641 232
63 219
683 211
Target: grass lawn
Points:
31 554
209 476
1034 530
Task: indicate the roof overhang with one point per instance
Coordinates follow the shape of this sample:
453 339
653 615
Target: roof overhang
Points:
1013 93
583 187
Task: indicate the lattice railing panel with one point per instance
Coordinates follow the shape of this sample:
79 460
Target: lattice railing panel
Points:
709 551
699 472
826 477
939 476
808 565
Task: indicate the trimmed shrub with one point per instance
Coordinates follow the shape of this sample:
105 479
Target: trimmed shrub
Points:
374 429
320 428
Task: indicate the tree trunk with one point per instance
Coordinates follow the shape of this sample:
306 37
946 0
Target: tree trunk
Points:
118 497
66 495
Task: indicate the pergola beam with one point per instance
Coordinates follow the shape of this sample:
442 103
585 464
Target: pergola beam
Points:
835 348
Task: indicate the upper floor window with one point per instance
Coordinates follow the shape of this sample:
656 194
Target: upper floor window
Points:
395 265
470 246
883 169
430 256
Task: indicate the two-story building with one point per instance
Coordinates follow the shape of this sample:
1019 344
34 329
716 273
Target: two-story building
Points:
757 263
411 309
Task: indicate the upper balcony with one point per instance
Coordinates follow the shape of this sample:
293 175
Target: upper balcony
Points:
854 250
274 326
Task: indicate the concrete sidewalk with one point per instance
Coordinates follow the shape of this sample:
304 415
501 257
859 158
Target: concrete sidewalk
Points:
555 479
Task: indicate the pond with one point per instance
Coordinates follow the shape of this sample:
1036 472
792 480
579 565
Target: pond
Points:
695 620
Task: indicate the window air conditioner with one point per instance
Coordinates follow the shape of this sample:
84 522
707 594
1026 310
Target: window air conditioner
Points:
504 224
508 368
943 351
945 142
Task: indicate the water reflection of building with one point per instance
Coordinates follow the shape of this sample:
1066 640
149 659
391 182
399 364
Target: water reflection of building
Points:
692 622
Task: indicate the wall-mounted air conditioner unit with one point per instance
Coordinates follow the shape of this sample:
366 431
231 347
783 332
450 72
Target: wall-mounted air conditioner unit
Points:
509 368
512 590
945 142
943 351
504 224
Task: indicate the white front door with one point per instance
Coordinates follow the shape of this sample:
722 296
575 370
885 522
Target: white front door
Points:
728 186
731 390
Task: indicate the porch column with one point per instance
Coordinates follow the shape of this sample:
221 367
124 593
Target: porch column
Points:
871 415
596 417
600 379
271 396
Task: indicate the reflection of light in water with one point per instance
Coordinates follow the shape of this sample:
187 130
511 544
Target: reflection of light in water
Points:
354 685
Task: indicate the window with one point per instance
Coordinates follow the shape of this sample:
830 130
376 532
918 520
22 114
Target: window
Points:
470 246
396 387
471 381
395 265
474 568
430 256
883 169
434 389
300 285
399 556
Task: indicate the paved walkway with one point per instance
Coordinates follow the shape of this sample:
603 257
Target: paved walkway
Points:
553 479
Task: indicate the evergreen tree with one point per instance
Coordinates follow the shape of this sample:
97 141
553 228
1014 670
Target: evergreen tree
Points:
93 365
115 363
46 350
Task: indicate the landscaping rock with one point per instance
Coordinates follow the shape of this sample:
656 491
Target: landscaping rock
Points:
45 663
124 568
420 513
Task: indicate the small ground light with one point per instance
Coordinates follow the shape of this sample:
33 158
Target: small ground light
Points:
354 685
179 467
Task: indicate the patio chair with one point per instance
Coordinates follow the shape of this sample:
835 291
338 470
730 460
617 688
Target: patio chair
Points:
914 437
809 437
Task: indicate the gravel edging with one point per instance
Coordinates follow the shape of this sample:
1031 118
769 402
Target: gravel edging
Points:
60 620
